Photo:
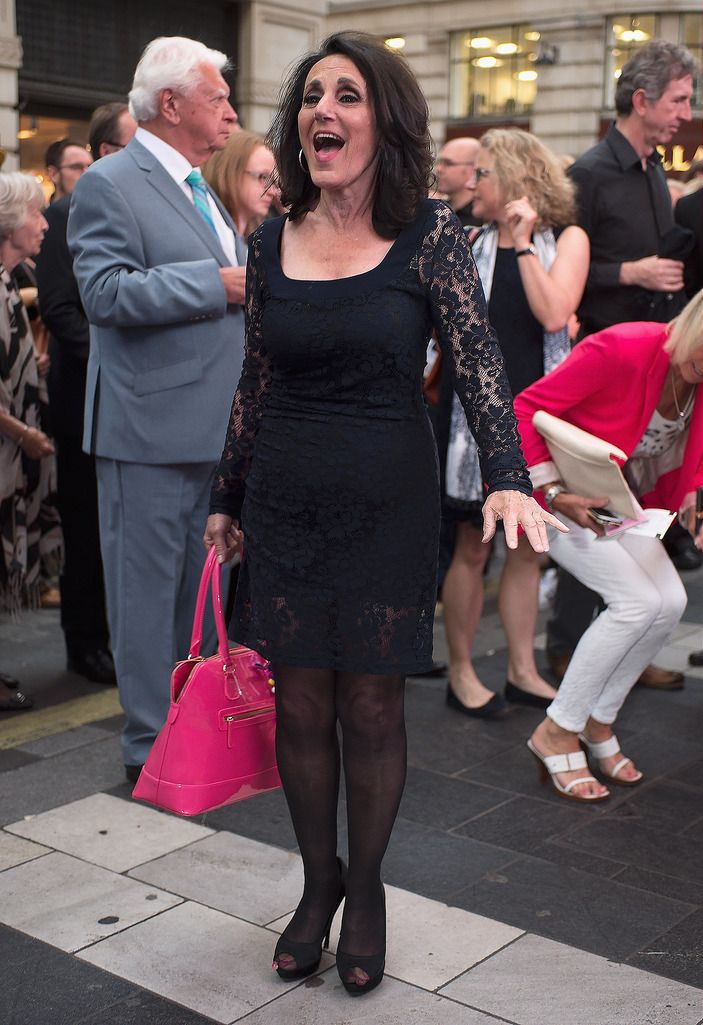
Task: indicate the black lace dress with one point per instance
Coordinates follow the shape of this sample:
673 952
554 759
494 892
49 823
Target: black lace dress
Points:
330 461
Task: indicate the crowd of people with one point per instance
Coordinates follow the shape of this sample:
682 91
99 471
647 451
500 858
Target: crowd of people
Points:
203 286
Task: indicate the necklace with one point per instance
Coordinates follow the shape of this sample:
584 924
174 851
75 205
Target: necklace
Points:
681 413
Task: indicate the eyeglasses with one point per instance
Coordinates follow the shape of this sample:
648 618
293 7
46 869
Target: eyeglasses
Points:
481 172
78 168
444 162
263 177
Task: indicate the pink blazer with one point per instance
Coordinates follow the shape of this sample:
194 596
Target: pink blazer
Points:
610 385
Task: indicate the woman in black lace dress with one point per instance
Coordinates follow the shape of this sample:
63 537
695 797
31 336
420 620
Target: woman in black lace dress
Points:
330 465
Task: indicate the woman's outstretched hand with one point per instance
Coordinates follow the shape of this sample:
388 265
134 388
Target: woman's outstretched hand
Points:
223 532
513 508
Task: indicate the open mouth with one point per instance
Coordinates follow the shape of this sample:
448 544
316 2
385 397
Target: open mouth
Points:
327 143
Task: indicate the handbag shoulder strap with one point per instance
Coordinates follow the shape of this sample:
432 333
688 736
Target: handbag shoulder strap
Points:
210 575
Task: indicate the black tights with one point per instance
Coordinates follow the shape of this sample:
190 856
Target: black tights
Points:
369 708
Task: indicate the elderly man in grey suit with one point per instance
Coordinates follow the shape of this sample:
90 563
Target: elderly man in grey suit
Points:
161 275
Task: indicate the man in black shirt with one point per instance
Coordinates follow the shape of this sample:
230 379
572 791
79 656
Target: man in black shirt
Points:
637 253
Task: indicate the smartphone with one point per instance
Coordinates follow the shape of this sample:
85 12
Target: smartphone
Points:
604 516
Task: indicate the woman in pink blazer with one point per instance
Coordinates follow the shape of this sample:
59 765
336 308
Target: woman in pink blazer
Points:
635 385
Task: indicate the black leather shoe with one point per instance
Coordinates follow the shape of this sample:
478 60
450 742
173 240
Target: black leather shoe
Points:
96 666
15 701
696 658
494 708
132 772
517 696
438 669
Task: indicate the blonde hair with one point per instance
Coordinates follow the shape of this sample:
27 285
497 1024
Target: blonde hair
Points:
224 171
18 192
525 167
686 331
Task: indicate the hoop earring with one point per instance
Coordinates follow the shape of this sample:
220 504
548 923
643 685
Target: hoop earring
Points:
303 166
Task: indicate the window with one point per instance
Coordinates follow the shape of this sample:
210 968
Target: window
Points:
493 72
626 34
692 37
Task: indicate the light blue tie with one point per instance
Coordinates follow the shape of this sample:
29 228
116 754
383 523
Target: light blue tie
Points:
197 185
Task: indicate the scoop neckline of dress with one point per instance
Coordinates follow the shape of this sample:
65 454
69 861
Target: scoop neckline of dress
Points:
336 281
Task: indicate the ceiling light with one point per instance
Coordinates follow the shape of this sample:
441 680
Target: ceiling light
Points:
481 43
634 35
487 62
507 48
396 42
532 36
526 76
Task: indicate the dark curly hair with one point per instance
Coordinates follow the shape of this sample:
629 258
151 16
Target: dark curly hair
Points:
404 170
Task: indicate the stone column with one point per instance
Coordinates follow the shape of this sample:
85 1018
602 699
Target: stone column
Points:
272 36
10 61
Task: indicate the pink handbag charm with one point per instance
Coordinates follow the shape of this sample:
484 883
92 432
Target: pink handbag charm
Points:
218 743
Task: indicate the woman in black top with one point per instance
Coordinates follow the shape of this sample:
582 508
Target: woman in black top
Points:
329 464
533 282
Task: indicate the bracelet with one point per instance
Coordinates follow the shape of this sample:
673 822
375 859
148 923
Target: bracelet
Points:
20 440
551 493
529 251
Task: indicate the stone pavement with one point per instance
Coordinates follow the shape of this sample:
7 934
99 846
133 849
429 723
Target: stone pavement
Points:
506 903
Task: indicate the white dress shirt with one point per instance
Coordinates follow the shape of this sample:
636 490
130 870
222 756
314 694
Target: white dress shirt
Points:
179 168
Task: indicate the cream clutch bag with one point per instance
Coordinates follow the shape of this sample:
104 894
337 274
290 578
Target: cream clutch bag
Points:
587 464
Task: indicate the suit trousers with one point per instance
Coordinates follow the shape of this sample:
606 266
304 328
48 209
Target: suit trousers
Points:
152 520
645 600
83 615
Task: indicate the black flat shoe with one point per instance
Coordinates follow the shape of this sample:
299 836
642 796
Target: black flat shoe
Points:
132 772
373 966
494 708
96 666
307 956
518 696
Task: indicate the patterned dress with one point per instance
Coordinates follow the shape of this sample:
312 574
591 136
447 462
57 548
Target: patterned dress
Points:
29 523
330 461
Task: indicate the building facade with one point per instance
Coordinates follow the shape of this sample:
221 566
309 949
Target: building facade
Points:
546 65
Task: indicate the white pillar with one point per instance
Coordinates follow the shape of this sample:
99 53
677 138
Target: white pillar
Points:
10 62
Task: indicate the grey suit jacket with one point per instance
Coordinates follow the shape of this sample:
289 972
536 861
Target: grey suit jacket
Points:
166 350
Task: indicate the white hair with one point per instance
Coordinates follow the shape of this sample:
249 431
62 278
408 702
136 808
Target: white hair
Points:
18 192
169 62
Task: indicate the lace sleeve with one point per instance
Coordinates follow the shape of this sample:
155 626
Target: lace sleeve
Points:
227 494
460 317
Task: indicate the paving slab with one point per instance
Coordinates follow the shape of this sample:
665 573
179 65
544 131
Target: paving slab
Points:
108 832
212 963
677 953
45 986
70 904
429 943
596 914
325 1002
57 744
51 782
231 873
538 982
15 851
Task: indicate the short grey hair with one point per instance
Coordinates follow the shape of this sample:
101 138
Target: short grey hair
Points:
652 68
18 191
169 62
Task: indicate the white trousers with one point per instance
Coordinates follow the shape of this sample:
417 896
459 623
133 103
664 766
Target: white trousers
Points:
645 600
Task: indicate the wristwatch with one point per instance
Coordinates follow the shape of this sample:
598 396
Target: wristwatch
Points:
551 493
528 251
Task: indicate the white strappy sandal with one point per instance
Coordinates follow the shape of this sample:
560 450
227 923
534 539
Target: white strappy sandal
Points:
607 749
552 765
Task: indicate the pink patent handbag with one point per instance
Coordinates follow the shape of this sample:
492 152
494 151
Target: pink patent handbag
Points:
218 743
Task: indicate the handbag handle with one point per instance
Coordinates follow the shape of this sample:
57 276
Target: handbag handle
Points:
210 575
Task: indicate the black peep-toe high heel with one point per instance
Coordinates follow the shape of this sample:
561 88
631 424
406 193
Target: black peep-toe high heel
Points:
307 955
373 965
